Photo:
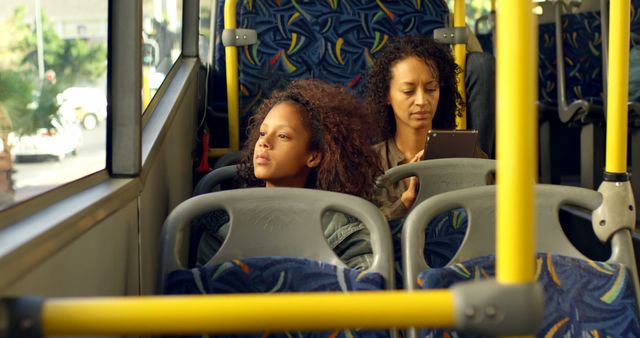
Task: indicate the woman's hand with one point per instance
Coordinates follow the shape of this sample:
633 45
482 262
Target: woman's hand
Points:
409 196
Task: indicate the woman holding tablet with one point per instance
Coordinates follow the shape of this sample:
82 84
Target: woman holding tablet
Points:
411 89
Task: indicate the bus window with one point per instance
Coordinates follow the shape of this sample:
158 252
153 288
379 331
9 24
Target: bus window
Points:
53 105
206 27
162 37
475 9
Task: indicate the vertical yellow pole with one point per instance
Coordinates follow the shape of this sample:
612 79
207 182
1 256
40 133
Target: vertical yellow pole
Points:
618 82
146 93
460 52
231 58
517 146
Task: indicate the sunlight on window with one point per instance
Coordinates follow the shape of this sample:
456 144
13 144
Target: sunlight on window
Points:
53 66
475 9
162 38
205 39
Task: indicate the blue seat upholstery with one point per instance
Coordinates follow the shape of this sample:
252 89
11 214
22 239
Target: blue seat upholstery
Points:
582 43
583 298
442 240
444 236
547 73
276 274
333 41
271 274
569 274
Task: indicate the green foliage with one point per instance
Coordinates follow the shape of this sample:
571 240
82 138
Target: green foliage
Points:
74 61
30 101
29 108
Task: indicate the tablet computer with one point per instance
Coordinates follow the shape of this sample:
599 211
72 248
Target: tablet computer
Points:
450 143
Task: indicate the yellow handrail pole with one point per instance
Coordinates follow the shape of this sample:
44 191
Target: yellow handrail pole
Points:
146 93
618 82
247 313
493 5
231 59
460 54
517 146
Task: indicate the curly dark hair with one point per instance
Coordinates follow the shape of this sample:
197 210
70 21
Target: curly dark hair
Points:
337 122
437 57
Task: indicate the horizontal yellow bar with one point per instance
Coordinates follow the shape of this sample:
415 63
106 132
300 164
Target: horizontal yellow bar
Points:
247 313
217 152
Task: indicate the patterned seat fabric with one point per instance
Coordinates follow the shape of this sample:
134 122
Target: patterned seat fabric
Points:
547 62
332 40
443 238
276 274
582 43
583 298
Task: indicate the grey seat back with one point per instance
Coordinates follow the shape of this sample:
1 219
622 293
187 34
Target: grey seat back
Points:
480 203
210 181
275 222
443 175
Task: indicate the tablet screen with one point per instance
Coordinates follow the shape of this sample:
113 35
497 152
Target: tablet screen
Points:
450 143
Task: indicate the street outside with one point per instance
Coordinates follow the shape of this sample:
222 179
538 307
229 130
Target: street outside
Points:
34 177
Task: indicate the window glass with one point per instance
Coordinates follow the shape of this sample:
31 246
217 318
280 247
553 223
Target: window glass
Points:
475 9
204 40
162 40
53 68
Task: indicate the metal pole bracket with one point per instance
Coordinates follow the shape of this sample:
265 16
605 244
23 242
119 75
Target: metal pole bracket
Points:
617 210
451 35
490 308
239 37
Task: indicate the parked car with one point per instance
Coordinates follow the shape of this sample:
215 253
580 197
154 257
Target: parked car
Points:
59 138
86 105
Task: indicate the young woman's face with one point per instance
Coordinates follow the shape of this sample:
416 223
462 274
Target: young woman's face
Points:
413 94
281 155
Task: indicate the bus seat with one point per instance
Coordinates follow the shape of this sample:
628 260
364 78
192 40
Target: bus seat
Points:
275 243
282 222
551 137
213 181
582 45
437 176
583 298
581 295
442 175
224 178
580 87
230 158
331 41
486 38
547 73
486 41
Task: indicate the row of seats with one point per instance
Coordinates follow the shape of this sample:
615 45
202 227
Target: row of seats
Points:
572 126
334 41
583 296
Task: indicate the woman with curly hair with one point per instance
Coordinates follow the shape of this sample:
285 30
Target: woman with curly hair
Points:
411 88
332 126
311 135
